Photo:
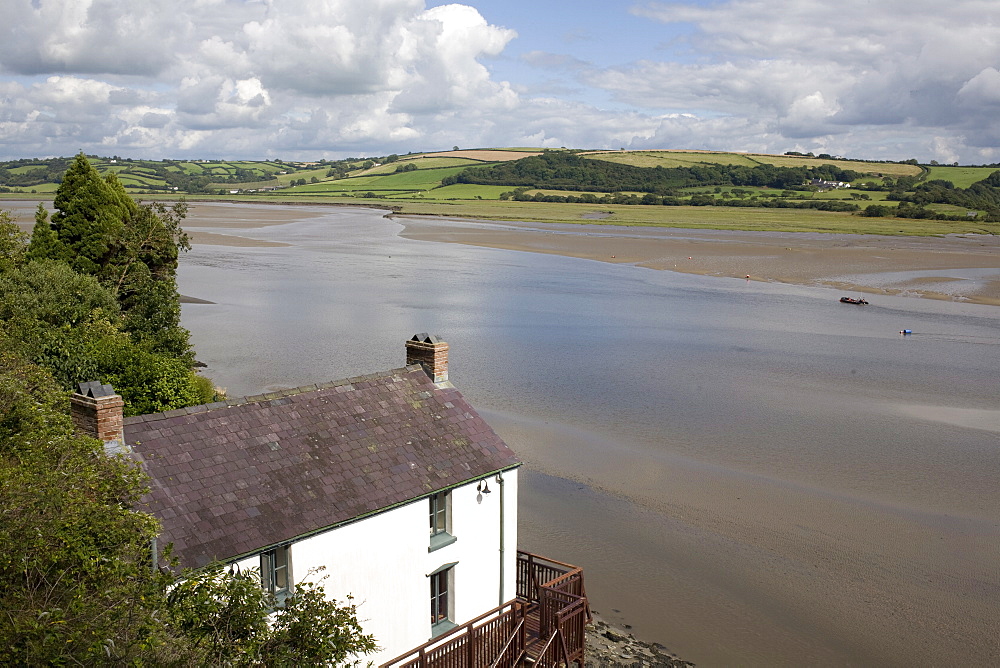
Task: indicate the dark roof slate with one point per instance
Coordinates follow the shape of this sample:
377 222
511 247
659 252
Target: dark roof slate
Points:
233 477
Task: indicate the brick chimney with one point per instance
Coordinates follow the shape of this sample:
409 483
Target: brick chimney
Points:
431 353
97 412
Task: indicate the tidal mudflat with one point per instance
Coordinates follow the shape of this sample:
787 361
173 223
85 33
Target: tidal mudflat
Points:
750 472
959 267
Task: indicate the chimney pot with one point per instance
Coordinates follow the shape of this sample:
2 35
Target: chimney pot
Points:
431 353
98 412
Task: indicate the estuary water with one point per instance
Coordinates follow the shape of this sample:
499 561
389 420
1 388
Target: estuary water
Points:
749 473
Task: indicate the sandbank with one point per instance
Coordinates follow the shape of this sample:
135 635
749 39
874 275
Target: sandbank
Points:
956 268
202 215
235 218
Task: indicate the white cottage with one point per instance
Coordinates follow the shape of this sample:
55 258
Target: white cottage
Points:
391 481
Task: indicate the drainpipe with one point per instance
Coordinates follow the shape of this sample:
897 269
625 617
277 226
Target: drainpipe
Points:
500 482
153 553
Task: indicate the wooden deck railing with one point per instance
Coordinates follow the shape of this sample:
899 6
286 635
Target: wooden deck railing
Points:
497 639
546 623
557 590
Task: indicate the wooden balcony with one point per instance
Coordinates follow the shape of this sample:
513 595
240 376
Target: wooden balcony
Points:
544 626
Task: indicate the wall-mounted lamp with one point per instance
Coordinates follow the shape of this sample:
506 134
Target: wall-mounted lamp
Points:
483 487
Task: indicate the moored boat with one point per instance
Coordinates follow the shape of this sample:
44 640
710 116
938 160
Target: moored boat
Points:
852 300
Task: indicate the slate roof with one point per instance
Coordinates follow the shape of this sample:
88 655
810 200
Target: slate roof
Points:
234 477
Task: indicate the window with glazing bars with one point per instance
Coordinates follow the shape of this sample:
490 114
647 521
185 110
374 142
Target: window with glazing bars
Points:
439 597
439 513
275 571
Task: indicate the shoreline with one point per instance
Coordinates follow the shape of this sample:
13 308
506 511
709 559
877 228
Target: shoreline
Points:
611 644
963 268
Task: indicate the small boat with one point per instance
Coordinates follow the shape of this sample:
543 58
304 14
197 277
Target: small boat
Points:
852 300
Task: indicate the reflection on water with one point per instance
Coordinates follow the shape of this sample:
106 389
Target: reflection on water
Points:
755 492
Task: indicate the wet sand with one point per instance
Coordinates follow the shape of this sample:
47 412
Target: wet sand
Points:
728 567
215 216
732 568
936 268
224 217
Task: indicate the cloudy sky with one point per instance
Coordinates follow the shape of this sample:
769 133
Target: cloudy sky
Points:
308 79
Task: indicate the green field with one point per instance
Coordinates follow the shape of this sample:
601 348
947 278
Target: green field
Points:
689 158
692 217
875 168
138 180
417 180
460 191
962 177
432 163
39 189
845 194
27 169
689 217
671 158
422 163
697 217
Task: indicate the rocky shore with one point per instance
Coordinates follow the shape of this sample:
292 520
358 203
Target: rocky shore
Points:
609 646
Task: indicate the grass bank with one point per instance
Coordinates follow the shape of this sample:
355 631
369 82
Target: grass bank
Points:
688 217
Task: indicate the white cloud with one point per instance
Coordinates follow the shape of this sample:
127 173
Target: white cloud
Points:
307 76
258 78
90 36
984 88
810 68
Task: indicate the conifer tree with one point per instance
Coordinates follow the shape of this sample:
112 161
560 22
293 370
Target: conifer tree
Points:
89 215
131 248
44 243
142 274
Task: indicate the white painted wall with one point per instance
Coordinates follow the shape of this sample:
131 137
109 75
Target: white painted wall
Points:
383 561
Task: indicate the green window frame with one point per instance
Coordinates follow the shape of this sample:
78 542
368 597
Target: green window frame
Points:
440 521
442 600
276 572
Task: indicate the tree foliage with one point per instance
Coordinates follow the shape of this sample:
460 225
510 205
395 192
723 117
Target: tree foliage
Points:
97 298
560 170
132 249
89 215
70 324
77 585
142 276
93 297
13 242
75 581
232 621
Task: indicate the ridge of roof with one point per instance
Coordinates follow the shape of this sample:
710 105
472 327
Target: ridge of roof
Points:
281 465
267 396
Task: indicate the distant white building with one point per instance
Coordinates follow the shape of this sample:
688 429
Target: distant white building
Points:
820 183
